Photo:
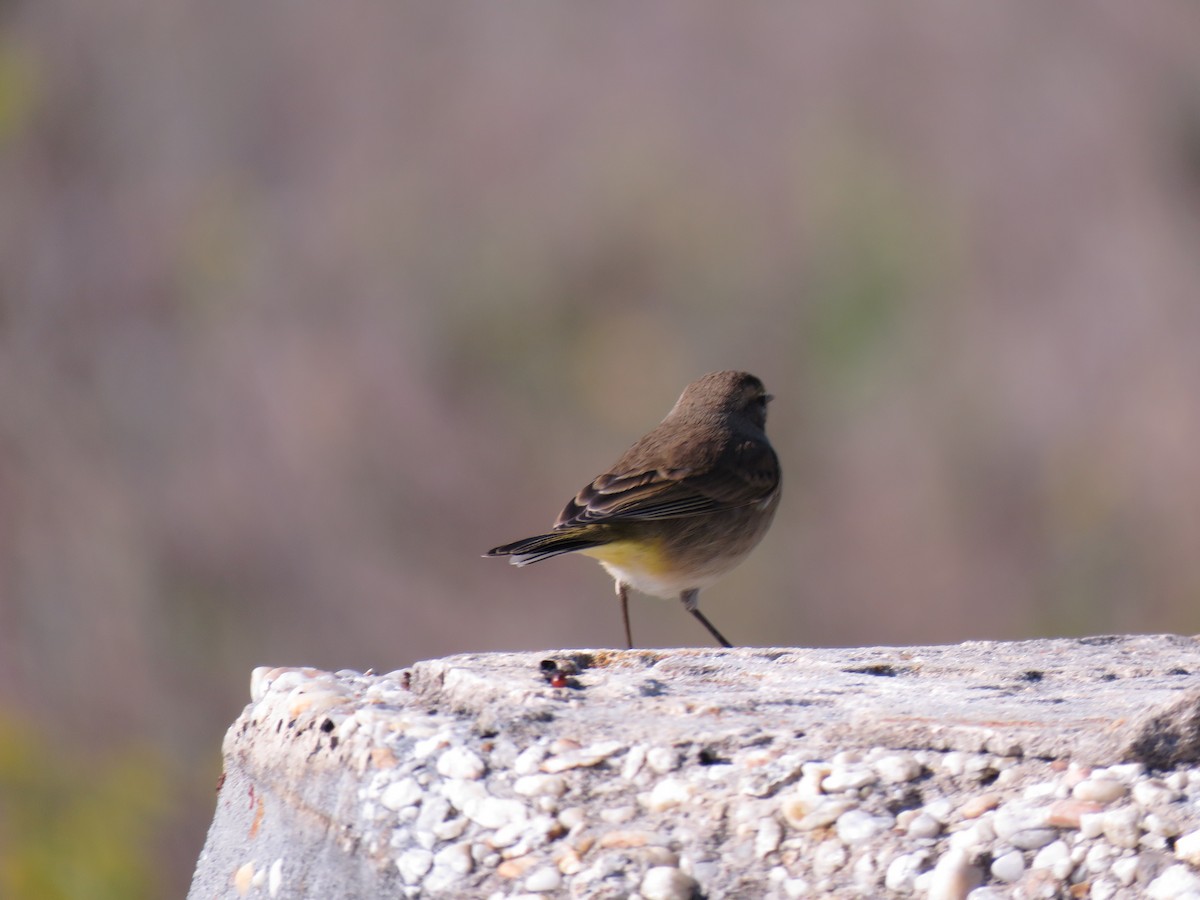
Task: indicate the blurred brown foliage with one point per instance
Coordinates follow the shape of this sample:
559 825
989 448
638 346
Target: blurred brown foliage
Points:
304 306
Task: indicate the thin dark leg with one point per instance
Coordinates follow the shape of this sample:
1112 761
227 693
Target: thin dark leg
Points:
691 604
623 593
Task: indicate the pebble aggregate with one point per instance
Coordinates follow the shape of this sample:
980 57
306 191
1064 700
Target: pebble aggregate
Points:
453 810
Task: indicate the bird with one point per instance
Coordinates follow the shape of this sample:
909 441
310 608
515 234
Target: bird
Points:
681 507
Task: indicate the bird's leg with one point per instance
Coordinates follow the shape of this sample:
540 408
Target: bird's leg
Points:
623 593
691 602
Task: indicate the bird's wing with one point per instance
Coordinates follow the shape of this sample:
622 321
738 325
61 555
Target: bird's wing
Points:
748 473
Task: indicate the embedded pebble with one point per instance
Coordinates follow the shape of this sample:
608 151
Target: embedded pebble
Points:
456 858
898 768
1032 838
841 780
540 786
401 794
275 878
662 759
1153 793
1176 883
829 857
542 880
413 864
768 837
459 762
667 883
1067 813
925 826
953 877
667 793
1009 866
618 815
1100 790
1125 870
856 826
1187 848
583 757
1122 827
1012 818
802 818
493 812
1054 856
902 872
979 804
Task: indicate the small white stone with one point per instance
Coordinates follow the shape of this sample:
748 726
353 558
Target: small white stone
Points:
1127 772
572 817
768 838
924 826
667 883
401 794
1099 858
667 793
1125 870
898 768
459 762
856 826
584 757
1100 789
275 879
1122 827
413 864
618 815
1174 884
1187 848
1020 816
796 888
953 877
1043 790
494 812
1164 824
828 858
1032 838
805 818
456 858
1177 781
902 872
540 785
1053 855
543 880
528 760
979 835
954 762
1103 889
1091 825
506 835
850 779
941 810
428 746
662 759
450 829
1009 867
1152 793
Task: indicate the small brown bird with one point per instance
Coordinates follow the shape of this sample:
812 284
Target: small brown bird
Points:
682 506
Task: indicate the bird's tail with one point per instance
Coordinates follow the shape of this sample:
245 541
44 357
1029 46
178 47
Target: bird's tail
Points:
543 546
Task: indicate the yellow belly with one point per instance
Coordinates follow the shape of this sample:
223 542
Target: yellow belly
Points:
643 566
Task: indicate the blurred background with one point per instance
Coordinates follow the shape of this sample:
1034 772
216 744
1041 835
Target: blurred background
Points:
305 306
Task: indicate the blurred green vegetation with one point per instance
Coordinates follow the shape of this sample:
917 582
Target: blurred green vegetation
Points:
78 823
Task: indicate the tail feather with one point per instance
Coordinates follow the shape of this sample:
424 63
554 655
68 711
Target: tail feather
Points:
543 546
